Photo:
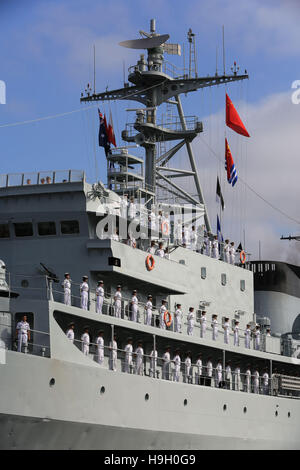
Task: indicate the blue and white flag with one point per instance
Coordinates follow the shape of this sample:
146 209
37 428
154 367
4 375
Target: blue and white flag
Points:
219 233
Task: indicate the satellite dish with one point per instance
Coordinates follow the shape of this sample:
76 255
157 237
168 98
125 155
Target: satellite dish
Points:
145 43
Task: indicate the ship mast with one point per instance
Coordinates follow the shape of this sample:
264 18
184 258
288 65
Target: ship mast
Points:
152 85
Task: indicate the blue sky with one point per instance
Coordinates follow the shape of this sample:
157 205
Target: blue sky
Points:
46 61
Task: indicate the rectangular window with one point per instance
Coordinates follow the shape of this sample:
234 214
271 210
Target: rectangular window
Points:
46 228
4 231
69 226
243 285
23 229
203 273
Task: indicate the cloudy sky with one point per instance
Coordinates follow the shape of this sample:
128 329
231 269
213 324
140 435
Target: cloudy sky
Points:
46 60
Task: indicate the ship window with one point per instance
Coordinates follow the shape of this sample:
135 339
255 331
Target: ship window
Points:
4 231
46 228
69 226
273 267
23 229
242 285
203 273
223 279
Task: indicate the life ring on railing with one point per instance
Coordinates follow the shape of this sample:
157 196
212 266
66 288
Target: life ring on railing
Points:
167 322
243 257
150 262
165 228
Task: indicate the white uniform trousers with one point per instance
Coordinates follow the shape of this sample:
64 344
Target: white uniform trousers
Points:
190 328
22 341
134 312
139 366
85 349
118 307
128 364
236 339
84 300
226 336
148 317
166 371
100 356
176 373
67 296
99 303
214 333
202 330
177 325
113 360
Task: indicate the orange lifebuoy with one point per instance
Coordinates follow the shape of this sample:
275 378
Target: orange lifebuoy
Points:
169 322
243 257
150 262
165 228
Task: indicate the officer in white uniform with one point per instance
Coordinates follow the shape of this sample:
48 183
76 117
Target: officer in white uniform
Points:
113 347
237 378
203 322
199 378
247 384
226 251
226 330
166 364
256 381
118 302
84 293
236 336
190 321
162 312
99 296
67 289
85 342
193 238
214 326
152 248
228 375
257 338
148 310
215 248
208 244
177 366
247 336
188 368
128 356
100 347
70 332
131 209
153 363
23 334
265 381
139 365
160 251
124 206
134 306
219 373
232 253
178 319
209 372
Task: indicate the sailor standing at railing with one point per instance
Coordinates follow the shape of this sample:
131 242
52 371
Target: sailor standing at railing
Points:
199 378
85 342
226 330
166 364
203 323
23 333
153 362
256 335
188 368
66 284
128 356
247 384
100 297
152 248
178 319
177 365
207 244
70 332
227 251
214 326
256 381
162 312
236 337
247 336
219 372
139 352
118 302
209 371
134 306
193 238
232 253
190 321
84 293
100 347
131 209
124 206
215 247
237 378
265 380
228 375
113 346
148 309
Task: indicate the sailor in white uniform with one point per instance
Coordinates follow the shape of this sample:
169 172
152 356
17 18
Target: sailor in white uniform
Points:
128 356
153 363
203 323
162 312
190 321
232 253
188 368
84 293
139 364
177 366
247 336
148 309
23 334
257 338
214 326
160 251
219 373
131 209
178 319
209 371
113 347
99 296
85 342
186 240
199 378
265 382
228 375
118 302
237 378
207 244
152 248
236 336
215 248
226 330
70 332
100 347
166 364
193 238
226 251
256 381
124 206
134 306
247 384
67 289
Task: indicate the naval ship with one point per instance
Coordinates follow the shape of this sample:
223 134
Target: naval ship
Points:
52 395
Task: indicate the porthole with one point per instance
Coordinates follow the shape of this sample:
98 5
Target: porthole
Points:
147 397
289 414
245 409
276 413
185 402
52 382
224 407
102 390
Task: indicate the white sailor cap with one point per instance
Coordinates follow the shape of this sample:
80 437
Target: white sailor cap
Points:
67 274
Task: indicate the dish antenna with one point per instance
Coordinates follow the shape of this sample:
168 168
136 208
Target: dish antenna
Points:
145 43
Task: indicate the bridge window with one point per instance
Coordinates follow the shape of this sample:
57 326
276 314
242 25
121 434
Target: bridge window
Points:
4 231
46 228
23 229
69 227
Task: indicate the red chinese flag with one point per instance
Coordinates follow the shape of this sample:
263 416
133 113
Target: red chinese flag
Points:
111 134
233 120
